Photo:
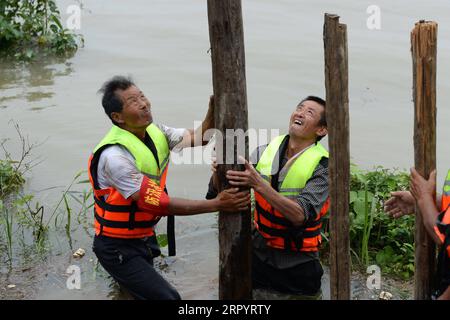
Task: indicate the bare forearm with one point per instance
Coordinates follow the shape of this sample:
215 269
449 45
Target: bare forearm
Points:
291 210
429 213
179 206
196 136
445 295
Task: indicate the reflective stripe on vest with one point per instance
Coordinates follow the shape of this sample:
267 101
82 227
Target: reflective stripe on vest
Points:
116 216
145 161
446 192
273 226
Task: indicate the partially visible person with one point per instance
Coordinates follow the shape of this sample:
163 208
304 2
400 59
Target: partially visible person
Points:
436 219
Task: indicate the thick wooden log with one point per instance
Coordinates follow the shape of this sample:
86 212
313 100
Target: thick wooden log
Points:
423 49
230 96
336 83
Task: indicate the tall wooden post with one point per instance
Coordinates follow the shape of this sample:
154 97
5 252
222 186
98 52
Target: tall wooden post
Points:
230 97
336 84
423 49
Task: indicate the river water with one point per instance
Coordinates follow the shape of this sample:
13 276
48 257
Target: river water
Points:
164 45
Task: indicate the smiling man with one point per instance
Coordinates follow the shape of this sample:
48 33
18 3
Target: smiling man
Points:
290 181
128 171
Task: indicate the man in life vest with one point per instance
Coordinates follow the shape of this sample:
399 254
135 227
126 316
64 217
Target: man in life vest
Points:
128 171
436 221
290 183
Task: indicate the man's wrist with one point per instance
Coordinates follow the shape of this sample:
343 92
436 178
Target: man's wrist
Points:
424 199
260 185
215 204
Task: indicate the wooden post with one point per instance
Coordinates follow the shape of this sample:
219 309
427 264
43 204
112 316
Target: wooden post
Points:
336 84
230 97
423 49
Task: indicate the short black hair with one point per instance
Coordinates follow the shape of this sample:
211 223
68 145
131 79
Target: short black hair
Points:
323 117
111 102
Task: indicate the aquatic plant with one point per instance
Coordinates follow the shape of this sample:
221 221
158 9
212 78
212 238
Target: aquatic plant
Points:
22 218
32 28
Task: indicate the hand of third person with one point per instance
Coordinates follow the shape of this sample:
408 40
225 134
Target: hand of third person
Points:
401 203
420 187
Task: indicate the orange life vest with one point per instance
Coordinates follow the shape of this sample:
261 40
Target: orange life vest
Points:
116 216
278 231
442 227
442 230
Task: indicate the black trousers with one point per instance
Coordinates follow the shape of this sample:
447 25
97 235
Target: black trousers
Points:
304 279
130 263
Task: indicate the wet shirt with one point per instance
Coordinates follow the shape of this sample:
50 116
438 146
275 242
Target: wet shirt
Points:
311 200
117 168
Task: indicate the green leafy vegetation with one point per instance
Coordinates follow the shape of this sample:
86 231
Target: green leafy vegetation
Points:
29 28
162 240
10 179
375 237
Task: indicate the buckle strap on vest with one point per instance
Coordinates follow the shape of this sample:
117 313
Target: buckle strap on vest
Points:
282 221
131 209
124 224
293 234
272 218
111 207
132 219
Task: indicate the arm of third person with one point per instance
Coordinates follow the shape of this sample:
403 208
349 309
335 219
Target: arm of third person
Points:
445 295
424 191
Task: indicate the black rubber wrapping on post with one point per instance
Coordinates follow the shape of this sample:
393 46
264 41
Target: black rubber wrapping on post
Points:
171 235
